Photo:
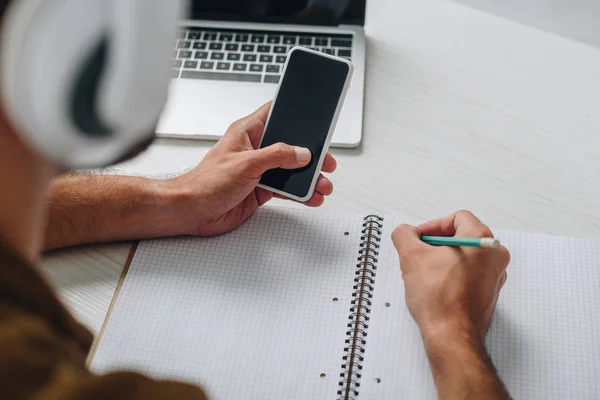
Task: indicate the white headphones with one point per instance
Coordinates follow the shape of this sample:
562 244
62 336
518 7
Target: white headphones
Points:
86 80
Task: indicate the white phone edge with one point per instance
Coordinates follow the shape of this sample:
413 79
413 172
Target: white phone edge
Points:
334 121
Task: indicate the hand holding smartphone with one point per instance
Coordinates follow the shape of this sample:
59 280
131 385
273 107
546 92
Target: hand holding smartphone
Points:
304 113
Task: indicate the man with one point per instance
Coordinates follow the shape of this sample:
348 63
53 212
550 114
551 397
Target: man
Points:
451 293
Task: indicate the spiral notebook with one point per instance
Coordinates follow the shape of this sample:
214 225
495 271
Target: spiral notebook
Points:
302 304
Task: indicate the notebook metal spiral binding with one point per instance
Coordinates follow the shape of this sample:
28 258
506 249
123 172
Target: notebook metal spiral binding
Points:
356 336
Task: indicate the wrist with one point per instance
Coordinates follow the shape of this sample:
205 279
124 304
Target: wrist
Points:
168 205
452 341
459 362
440 331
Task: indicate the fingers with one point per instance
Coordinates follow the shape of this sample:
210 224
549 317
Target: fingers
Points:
503 256
263 112
329 165
460 223
502 280
263 196
279 155
407 239
324 186
258 120
252 125
316 200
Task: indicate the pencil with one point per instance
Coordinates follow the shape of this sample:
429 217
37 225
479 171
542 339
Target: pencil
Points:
488 243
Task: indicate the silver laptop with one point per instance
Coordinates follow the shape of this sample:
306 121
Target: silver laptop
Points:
230 55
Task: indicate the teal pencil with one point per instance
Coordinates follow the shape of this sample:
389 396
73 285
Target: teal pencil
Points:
488 243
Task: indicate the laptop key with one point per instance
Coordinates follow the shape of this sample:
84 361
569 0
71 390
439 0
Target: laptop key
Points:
217 56
271 79
341 43
247 47
216 46
241 38
273 39
183 44
305 41
328 51
201 55
210 36
274 69
193 35
280 49
232 47
221 76
344 53
199 45
239 67
223 66
258 39
256 68
190 64
280 59
289 40
263 49
226 37
265 58
185 54
233 56
321 41
207 65
177 63
250 57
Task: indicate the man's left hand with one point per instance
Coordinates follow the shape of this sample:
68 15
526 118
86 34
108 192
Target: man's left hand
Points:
220 193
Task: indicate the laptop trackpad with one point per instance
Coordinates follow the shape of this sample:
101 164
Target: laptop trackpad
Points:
207 108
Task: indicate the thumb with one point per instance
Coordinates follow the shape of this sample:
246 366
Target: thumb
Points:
279 155
407 239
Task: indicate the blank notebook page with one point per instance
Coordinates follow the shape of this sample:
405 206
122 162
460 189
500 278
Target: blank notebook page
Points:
247 315
544 338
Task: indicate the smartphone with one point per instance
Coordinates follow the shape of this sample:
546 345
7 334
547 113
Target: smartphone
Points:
307 104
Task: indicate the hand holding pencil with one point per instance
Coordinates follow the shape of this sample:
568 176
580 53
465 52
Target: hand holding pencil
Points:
452 285
448 283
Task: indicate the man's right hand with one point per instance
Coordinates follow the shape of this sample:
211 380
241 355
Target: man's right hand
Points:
451 293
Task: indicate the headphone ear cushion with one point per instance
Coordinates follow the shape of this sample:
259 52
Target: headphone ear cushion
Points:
84 95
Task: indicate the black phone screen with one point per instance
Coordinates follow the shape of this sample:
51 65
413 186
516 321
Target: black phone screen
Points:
302 115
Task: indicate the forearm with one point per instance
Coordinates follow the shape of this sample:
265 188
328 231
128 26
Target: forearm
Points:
461 367
93 208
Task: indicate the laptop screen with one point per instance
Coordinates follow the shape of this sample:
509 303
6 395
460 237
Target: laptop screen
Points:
313 12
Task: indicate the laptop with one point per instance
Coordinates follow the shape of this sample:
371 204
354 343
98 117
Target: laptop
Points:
229 58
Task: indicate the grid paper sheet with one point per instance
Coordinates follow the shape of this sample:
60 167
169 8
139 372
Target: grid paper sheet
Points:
246 315
544 338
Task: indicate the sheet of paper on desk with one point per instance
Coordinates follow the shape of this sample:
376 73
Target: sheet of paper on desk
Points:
263 312
248 315
545 335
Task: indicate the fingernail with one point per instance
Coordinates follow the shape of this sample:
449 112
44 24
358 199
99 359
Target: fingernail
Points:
302 154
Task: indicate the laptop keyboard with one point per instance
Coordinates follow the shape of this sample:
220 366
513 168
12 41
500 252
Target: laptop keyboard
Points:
246 56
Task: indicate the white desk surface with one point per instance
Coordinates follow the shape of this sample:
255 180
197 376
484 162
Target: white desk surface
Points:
463 110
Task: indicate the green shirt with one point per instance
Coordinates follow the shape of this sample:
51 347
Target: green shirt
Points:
43 349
